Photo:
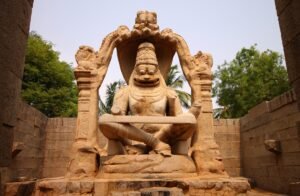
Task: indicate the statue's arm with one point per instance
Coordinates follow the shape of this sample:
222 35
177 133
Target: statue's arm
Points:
120 102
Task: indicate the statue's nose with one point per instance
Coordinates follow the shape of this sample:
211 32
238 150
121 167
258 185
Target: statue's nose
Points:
146 77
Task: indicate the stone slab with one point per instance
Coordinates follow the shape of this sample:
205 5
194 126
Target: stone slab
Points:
148 119
150 164
184 186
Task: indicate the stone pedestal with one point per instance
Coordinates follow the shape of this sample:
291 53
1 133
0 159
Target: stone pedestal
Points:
193 186
147 164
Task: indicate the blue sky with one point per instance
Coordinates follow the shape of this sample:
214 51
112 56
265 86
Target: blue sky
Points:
219 27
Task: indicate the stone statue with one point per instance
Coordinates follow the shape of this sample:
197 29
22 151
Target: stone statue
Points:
148 95
146 118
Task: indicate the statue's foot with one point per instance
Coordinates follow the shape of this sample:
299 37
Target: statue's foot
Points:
163 149
136 149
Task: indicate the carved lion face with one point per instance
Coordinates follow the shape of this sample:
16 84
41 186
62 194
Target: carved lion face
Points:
201 67
84 53
146 20
146 75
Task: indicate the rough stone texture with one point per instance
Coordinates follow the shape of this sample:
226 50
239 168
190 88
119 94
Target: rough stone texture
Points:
153 163
14 27
289 21
60 134
14 20
27 151
227 136
29 139
277 121
20 188
137 187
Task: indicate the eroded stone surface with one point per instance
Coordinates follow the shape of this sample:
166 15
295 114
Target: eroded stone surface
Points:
136 186
153 163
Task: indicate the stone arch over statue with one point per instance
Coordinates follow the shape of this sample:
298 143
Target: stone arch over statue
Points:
146 113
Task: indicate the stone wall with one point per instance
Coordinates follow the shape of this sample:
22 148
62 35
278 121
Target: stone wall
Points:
273 120
227 136
60 134
289 21
28 143
14 27
59 138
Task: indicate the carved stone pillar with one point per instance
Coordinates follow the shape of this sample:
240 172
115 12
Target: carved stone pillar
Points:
205 150
84 152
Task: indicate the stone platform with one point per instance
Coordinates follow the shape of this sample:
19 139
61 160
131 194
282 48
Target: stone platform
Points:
147 164
131 187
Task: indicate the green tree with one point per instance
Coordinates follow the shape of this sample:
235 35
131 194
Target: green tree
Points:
174 80
48 83
249 79
111 89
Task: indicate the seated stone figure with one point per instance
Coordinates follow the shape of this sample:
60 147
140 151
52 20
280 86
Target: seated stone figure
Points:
148 95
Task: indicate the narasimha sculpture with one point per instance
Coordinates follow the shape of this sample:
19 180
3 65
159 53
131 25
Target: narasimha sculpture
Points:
148 95
147 118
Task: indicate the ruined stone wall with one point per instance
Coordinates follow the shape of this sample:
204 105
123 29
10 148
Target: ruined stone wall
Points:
227 136
14 28
28 143
60 133
289 22
277 120
59 138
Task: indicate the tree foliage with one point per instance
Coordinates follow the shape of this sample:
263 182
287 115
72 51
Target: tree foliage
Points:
111 89
175 81
48 83
249 79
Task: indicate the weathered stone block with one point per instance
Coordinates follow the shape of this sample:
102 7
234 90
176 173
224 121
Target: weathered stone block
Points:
86 187
69 122
291 145
56 145
259 110
289 21
73 186
57 136
56 162
20 188
54 123
294 188
152 163
50 172
232 162
6 143
281 5
9 90
227 137
291 159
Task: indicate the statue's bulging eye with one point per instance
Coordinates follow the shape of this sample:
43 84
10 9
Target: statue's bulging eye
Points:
151 72
142 71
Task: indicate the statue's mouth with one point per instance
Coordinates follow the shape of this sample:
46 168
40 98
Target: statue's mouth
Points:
146 83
